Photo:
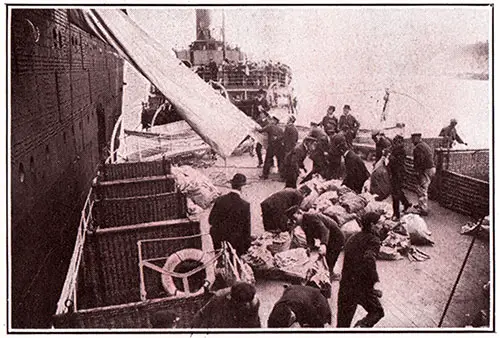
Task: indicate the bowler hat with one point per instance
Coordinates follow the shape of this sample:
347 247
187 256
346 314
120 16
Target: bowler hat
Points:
416 135
348 107
332 108
453 121
239 180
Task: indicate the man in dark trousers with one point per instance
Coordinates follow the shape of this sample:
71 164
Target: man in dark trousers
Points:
423 163
323 228
300 304
349 124
294 161
291 135
274 207
359 276
397 171
381 142
338 142
230 218
356 172
330 122
450 134
274 146
260 113
235 307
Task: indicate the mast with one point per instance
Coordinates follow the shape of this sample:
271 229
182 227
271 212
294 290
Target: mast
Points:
223 34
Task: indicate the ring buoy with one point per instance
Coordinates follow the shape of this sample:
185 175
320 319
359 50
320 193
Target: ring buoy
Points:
178 257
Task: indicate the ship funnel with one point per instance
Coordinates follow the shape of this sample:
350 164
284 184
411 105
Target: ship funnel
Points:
204 21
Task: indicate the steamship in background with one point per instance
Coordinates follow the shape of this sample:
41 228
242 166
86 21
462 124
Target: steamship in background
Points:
66 95
238 78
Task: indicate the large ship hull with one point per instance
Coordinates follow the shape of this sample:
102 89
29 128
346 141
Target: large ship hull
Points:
66 95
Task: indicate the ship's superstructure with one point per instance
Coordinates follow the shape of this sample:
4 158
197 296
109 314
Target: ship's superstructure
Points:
66 94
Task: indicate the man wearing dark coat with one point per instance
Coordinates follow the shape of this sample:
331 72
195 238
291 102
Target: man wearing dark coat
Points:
330 122
338 142
235 307
319 155
359 276
230 218
260 110
291 135
450 134
397 171
213 69
423 163
294 161
274 146
274 207
300 304
381 142
348 124
356 172
326 230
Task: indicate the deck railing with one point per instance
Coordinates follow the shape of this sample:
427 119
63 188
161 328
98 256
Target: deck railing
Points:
238 78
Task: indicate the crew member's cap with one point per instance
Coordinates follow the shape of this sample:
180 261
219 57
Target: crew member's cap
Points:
239 180
348 107
416 135
332 108
291 211
242 292
453 121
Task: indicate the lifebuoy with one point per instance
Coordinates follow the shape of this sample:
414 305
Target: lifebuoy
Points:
178 257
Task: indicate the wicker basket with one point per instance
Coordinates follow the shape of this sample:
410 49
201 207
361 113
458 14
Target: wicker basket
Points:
133 315
134 210
119 171
464 194
109 273
143 186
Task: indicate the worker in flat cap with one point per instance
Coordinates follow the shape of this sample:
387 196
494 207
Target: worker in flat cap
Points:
423 163
235 307
381 142
349 124
291 135
325 229
450 135
275 148
294 161
230 218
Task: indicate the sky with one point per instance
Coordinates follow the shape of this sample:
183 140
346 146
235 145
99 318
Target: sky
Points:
333 49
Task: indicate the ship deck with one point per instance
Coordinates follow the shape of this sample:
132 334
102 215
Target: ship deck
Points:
414 293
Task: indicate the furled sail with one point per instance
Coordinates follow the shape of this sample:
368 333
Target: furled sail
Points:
218 122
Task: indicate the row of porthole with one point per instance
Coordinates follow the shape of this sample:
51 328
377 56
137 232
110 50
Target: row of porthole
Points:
22 173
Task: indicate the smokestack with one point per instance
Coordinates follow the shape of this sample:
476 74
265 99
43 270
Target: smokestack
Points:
203 24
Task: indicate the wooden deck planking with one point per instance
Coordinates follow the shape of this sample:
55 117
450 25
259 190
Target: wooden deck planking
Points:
415 293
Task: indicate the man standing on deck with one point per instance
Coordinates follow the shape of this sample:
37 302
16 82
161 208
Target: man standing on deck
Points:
274 146
450 134
359 276
260 113
381 142
294 161
330 122
230 218
321 227
349 125
291 135
274 207
320 155
423 163
356 172
337 143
